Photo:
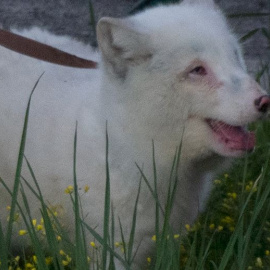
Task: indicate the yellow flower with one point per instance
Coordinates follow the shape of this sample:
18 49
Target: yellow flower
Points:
48 260
227 220
148 259
117 244
217 182
59 238
226 175
39 227
227 206
22 232
66 261
92 244
212 226
154 238
251 187
86 188
187 226
29 265
8 208
62 252
69 189
34 222
267 252
259 262
176 236
220 228
232 195
15 217
35 259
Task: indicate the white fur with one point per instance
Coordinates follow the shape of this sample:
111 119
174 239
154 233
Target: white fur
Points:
145 90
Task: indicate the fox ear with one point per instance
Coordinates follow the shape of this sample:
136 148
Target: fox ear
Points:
121 44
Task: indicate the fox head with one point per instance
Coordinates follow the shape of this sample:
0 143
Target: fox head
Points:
179 68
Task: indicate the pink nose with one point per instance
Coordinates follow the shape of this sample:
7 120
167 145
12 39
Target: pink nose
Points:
262 103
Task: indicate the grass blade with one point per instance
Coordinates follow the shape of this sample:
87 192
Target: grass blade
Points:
133 229
3 249
157 220
249 35
106 219
19 168
103 243
80 250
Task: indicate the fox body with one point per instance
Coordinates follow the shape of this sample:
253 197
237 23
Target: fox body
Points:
169 76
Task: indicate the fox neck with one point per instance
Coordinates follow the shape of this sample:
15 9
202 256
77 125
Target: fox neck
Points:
138 107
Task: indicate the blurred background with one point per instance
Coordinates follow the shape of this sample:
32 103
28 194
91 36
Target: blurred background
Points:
76 18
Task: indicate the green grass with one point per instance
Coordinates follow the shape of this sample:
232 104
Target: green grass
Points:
236 222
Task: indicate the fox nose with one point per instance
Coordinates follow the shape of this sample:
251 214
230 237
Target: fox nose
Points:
262 103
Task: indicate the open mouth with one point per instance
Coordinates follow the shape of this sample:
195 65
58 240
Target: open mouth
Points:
234 138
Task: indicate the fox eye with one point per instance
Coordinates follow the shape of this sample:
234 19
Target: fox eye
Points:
199 70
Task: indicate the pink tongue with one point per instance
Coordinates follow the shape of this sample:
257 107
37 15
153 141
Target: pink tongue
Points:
235 137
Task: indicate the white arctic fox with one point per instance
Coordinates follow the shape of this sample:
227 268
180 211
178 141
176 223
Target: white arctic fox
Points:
170 74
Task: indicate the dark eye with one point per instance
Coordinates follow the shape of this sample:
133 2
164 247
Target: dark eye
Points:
199 70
